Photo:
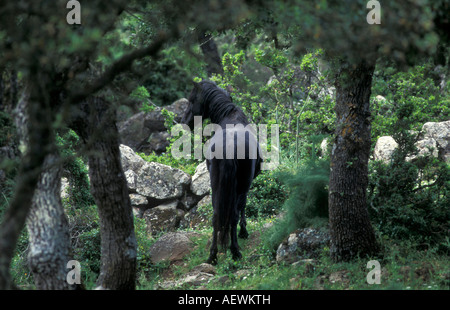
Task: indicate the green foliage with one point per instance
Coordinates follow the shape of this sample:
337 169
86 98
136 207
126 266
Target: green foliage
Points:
186 165
414 96
307 204
271 58
310 61
143 246
409 200
85 232
19 264
89 250
296 98
75 170
167 79
141 94
266 197
7 129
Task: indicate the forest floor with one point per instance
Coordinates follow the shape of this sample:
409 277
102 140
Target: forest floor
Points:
402 268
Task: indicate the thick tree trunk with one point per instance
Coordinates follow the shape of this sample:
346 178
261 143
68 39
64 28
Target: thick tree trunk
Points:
47 225
48 231
350 227
39 143
96 125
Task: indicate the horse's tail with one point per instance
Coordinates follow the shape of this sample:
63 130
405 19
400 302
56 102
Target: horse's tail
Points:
228 199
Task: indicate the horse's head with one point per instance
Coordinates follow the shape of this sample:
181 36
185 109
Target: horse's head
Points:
205 99
195 107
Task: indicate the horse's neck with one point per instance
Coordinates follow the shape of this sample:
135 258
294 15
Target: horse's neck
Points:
227 112
222 113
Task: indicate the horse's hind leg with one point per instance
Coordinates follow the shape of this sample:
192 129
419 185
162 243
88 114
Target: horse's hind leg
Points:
213 250
234 242
243 233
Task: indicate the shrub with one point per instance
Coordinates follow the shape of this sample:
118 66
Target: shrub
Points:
266 196
409 200
75 170
307 204
414 89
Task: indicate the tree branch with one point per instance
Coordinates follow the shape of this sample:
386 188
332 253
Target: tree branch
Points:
120 66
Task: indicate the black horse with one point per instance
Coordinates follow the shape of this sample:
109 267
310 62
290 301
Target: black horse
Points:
233 161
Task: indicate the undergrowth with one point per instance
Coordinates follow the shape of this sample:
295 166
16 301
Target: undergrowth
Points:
401 268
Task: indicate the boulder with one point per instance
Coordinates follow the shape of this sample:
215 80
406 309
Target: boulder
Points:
172 246
201 184
196 219
139 204
384 148
165 217
132 132
129 159
162 195
440 132
161 182
146 132
434 140
425 147
205 267
302 244
152 180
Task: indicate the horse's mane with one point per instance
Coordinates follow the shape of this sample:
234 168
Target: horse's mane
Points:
220 105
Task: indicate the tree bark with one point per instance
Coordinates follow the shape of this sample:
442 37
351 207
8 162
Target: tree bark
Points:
350 228
47 225
96 125
48 231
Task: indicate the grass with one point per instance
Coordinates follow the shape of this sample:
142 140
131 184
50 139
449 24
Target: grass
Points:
401 268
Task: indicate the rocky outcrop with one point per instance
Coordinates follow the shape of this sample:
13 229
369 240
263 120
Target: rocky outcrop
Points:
158 182
166 217
163 195
302 244
145 131
172 246
199 275
440 133
433 140
199 216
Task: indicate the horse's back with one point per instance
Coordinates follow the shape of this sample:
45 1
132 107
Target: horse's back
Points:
238 146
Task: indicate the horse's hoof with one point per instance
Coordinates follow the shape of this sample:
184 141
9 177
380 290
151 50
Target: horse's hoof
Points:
237 256
243 234
212 261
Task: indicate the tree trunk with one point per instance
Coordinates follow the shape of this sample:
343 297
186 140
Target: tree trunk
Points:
96 126
39 143
47 224
211 54
350 228
48 231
